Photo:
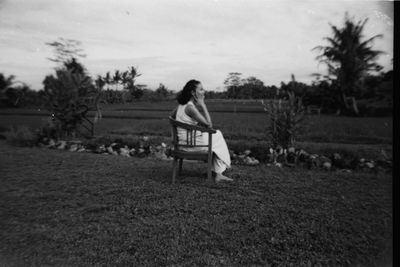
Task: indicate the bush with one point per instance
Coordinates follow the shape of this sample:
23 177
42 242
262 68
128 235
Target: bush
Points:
22 136
284 120
50 128
376 107
68 96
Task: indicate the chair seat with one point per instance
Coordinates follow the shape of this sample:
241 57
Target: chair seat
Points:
192 155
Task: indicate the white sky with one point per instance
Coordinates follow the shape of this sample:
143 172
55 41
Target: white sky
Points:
172 41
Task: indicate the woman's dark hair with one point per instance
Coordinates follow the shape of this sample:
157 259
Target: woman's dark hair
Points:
186 93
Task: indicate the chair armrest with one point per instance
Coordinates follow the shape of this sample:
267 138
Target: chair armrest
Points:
173 113
191 127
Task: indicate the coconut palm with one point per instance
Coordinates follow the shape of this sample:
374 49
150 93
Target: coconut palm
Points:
6 82
5 86
348 58
10 93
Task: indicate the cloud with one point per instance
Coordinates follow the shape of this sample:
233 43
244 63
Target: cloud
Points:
172 41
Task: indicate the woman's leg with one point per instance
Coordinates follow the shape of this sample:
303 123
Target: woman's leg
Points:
218 165
218 168
220 148
221 157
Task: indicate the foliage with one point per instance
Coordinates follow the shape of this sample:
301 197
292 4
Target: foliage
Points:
140 92
17 94
50 128
22 136
110 96
297 88
71 93
162 93
10 95
232 82
349 58
285 118
210 94
65 50
249 88
5 86
126 80
69 97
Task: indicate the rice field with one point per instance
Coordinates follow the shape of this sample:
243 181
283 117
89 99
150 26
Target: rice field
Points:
249 122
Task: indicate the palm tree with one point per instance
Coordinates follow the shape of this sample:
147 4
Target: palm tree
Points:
6 89
348 58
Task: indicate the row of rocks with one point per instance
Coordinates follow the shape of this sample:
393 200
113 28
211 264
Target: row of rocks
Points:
278 157
160 151
298 157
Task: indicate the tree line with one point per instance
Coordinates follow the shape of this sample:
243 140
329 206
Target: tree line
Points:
321 93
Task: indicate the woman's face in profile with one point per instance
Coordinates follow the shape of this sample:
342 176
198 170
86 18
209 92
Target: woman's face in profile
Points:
200 90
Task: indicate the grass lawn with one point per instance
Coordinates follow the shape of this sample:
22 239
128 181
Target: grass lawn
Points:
61 208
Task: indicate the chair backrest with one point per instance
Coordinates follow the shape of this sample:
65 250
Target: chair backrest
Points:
191 132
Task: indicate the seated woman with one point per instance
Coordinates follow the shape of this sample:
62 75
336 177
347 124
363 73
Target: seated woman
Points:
186 112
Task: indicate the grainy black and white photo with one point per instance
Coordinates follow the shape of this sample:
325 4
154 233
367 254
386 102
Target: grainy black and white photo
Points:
196 133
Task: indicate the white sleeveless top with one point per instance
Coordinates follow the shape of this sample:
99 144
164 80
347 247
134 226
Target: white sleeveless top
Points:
181 116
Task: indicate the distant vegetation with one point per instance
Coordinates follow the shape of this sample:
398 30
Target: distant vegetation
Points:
349 58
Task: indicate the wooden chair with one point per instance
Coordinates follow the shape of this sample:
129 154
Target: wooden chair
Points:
190 142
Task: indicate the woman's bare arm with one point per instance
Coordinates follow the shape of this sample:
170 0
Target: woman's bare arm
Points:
194 113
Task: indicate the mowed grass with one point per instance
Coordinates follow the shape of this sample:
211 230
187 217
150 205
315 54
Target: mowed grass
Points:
61 208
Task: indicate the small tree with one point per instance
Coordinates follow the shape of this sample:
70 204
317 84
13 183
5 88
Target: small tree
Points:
68 95
232 83
71 93
285 118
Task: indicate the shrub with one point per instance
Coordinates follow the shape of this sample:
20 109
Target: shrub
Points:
71 93
284 119
68 96
376 107
22 136
50 128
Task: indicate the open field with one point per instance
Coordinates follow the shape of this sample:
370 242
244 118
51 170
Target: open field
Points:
248 123
76 209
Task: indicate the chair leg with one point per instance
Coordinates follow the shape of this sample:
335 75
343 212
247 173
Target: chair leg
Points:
209 166
180 166
174 170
